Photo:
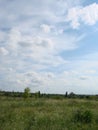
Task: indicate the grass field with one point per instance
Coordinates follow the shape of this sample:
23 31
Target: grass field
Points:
46 114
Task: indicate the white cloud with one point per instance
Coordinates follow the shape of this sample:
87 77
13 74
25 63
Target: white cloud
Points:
3 51
88 15
46 28
14 35
41 49
34 36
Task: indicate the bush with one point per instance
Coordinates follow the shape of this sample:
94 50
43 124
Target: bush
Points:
26 93
83 116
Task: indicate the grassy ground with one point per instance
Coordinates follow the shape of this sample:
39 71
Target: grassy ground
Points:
45 114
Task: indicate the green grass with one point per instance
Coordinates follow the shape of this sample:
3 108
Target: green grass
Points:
45 114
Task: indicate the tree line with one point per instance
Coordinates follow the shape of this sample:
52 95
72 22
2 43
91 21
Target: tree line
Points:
28 94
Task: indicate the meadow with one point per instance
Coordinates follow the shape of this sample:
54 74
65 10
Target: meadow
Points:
48 114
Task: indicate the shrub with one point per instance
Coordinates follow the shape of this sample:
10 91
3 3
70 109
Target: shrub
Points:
26 92
83 116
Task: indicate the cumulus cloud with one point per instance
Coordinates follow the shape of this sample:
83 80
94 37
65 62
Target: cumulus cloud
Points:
87 15
34 40
34 79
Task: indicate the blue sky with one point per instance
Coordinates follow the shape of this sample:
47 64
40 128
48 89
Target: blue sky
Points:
50 46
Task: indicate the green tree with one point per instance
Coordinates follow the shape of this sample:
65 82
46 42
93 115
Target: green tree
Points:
26 92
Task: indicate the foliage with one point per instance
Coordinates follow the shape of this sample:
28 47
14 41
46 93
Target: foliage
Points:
51 96
26 92
83 116
37 94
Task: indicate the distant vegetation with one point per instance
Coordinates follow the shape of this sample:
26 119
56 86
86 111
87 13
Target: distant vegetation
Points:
48 111
27 93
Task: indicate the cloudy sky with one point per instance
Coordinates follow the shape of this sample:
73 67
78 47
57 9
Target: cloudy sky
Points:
49 45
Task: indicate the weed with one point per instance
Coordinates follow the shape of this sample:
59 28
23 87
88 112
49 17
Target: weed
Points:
83 116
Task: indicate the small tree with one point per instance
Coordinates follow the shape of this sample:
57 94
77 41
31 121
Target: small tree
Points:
26 92
66 94
72 95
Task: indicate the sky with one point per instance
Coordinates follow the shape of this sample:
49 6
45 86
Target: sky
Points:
50 46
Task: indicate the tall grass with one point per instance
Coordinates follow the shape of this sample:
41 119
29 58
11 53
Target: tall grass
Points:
47 114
